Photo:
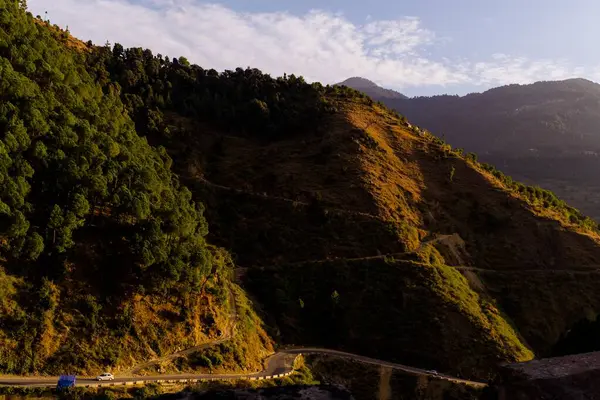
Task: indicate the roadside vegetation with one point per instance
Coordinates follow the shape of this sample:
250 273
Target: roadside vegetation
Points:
303 376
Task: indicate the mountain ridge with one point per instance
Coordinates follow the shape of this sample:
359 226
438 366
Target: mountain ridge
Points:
371 88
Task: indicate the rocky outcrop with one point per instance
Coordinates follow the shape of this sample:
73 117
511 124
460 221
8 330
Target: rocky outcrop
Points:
575 377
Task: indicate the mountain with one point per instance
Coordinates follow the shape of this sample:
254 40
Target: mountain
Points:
545 133
371 88
353 230
549 118
139 191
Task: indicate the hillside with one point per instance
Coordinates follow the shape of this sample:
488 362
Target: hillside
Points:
103 256
355 231
136 175
545 133
420 190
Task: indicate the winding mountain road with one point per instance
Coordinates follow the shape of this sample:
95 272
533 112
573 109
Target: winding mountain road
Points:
278 365
373 361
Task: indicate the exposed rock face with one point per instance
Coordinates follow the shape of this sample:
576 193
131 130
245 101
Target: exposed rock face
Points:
575 377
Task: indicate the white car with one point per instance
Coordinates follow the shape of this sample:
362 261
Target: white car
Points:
105 377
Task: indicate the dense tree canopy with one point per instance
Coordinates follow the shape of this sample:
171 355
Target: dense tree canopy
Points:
87 206
69 151
91 217
243 101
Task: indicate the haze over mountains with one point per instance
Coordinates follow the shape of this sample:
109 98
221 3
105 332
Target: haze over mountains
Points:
545 133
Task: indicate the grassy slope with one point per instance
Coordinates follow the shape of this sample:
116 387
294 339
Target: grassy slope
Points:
545 304
409 187
139 328
413 313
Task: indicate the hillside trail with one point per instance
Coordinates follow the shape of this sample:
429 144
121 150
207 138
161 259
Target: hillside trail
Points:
106 210
457 247
226 335
242 270
340 211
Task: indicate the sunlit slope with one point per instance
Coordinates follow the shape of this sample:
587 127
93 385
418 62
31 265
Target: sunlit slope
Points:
302 199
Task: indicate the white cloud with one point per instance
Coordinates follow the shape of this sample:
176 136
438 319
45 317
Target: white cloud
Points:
318 45
505 69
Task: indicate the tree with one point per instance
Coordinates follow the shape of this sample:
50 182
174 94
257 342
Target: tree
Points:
55 221
34 246
183 61
80 205
20 225
117 51
335 297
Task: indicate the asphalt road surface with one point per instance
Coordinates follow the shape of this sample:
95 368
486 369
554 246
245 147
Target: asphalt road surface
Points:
367 360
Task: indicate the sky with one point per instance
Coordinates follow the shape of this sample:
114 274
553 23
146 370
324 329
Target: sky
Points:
418 47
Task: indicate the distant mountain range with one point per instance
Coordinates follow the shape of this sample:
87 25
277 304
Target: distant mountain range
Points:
545 133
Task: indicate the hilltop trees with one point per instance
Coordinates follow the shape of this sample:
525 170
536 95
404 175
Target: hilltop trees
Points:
244 100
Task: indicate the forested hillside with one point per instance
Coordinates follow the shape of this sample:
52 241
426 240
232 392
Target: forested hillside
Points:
104 257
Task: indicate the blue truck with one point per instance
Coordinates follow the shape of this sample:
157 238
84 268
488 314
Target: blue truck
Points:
65 382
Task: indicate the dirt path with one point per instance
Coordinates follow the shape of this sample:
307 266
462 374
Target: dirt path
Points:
339 211
240 272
